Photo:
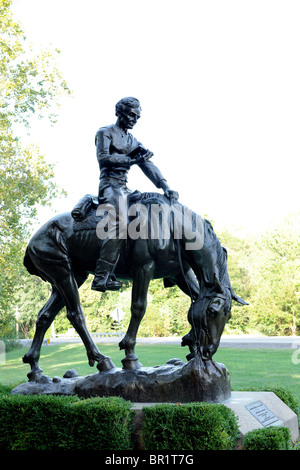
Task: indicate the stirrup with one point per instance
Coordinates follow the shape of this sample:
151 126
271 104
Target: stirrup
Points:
102 284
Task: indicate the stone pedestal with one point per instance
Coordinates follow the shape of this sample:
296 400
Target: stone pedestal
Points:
176 381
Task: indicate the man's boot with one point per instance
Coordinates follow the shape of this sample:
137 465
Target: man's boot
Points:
104 278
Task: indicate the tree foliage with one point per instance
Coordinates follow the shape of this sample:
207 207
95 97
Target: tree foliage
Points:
275 299
30 86
30 81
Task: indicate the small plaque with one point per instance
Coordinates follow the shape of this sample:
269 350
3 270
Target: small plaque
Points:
259 410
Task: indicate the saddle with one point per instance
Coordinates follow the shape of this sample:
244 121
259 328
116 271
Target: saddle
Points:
85 212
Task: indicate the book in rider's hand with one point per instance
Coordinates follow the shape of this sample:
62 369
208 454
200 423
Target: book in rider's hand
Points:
138 151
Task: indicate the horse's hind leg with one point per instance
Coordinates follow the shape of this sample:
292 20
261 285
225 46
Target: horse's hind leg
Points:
69 290
44 320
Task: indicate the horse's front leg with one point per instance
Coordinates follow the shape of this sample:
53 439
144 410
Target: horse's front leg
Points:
140 287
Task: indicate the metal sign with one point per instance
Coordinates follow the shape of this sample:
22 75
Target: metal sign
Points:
259 410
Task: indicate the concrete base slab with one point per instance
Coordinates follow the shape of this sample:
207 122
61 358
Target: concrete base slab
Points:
256 410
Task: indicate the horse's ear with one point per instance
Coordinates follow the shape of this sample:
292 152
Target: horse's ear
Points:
237 298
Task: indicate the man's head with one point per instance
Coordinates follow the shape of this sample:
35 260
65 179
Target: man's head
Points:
128 111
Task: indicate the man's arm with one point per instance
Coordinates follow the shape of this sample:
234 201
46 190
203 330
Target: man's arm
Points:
155 175
105 159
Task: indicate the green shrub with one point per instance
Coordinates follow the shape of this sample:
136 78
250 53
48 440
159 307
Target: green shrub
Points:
192 426
62 422
32 422
5 389
271 438
101 424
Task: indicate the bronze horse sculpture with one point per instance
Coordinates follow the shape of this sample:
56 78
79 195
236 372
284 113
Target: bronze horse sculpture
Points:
63 253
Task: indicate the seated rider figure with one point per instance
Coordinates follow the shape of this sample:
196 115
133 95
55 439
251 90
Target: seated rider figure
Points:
113 144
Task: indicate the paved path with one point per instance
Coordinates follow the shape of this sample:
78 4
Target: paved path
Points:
240 341
248 341
227 341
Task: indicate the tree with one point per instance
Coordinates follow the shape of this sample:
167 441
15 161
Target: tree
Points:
30 86
30 82
275 299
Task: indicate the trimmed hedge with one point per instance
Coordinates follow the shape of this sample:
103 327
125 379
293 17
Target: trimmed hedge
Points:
5 390
271 438
191 426
50 422
101 423
62 422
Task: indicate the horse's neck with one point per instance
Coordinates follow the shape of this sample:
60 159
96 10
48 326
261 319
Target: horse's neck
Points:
208 261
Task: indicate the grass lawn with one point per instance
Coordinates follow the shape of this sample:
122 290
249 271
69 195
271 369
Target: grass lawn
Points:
247 367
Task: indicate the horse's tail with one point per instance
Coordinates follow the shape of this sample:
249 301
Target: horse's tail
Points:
28 263
47 251
30 266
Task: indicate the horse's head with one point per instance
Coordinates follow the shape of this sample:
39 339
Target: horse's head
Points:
208 316
210 312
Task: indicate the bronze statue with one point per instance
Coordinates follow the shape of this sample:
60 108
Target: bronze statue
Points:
68 248
117 150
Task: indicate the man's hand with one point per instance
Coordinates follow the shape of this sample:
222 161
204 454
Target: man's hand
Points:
172 195
147 156
142 158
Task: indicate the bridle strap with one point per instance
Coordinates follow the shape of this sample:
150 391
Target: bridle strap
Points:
201 297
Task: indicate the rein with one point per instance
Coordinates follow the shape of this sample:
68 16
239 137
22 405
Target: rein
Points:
193 302
182 271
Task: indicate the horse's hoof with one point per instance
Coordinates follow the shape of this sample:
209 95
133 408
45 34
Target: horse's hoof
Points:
190 356
131 362
35 375
105 365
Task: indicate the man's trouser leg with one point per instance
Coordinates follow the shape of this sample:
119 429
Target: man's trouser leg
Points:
112 244
105 264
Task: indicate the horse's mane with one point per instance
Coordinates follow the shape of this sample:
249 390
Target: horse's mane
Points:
212 239
152 197
220 250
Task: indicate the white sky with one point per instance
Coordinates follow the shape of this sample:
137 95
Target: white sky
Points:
219 85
